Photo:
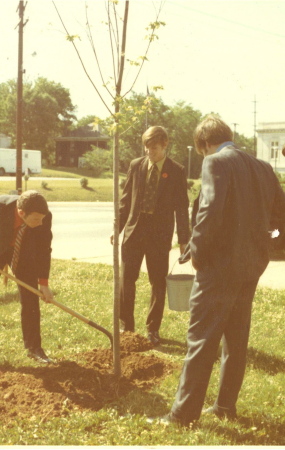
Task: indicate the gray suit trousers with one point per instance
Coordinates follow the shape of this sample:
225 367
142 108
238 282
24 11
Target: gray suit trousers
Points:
219 309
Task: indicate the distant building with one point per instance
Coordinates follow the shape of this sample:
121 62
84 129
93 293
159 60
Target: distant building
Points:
270 141
5 141
70 148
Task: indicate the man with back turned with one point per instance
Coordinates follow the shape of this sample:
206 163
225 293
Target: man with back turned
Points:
240 202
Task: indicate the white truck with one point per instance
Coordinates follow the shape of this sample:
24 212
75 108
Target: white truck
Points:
31 161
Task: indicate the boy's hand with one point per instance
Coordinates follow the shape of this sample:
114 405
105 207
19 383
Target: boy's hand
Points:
47 294
186 255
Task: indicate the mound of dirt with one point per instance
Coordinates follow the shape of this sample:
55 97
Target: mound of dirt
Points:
85 383
133 342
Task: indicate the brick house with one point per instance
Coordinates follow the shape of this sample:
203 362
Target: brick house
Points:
70 148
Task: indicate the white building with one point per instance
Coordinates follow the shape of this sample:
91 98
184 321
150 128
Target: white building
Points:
270 141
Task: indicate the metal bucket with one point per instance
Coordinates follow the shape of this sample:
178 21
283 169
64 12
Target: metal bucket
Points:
179 288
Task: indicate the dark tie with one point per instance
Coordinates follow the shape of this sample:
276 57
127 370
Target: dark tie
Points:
148 203
17 247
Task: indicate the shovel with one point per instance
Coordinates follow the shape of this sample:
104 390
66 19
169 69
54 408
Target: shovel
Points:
61 306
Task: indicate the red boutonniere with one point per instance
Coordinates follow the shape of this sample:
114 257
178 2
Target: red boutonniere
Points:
164 175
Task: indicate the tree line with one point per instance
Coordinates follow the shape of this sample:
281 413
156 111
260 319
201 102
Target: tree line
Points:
48 112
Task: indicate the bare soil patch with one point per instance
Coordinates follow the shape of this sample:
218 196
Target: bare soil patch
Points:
86 382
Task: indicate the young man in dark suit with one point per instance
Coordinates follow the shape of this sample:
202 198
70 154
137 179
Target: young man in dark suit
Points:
25 245
240 201
154 196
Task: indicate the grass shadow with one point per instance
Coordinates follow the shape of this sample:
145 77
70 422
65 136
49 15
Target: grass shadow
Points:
88 188
170 346
243 431
263 361
8 297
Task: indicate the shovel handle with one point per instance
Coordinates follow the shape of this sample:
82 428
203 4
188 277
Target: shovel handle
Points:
25 285
59 305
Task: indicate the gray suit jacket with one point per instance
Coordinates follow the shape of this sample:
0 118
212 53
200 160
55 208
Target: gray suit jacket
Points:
240 201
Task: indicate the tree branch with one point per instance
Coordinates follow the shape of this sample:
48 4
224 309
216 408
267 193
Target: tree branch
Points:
91 40
116 33
82 63
146 52
111 29
123 49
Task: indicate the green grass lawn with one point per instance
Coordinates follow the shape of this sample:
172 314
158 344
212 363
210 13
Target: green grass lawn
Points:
67 190
87 288
68 172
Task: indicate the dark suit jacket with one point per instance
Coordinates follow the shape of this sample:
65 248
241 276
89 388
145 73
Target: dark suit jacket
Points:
172 201
240 201
36 241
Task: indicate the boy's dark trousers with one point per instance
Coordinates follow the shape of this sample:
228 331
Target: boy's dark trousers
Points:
30 308
142 243
30 313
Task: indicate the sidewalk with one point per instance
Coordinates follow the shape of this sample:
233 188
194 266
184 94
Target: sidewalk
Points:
273 277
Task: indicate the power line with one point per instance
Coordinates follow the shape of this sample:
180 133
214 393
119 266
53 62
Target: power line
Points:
229 21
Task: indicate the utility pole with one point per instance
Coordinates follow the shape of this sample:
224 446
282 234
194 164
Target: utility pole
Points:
254 127
19 126
234 124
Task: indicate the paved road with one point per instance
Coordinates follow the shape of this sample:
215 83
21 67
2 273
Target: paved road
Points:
274 275
82 232
32 177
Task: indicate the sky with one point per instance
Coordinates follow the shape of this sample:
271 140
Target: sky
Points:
221 56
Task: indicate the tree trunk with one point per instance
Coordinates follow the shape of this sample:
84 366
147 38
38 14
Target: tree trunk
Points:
116 318
116 262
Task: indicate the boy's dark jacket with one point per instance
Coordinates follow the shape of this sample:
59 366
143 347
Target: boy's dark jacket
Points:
36 241
172 202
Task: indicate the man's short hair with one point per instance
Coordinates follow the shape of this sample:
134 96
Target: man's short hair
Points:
212 130
283 150
155 135
32 201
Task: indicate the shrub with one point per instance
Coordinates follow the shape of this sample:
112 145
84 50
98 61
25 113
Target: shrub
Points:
44 185
122 183
84 182
98 160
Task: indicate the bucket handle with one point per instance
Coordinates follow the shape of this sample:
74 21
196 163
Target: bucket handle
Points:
183 264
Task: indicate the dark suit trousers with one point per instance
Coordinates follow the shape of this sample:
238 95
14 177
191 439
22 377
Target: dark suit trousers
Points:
30 308
218 310
143 243
30 312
